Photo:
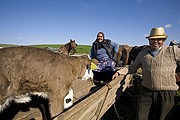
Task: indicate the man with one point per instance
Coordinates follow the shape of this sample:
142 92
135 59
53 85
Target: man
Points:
158 64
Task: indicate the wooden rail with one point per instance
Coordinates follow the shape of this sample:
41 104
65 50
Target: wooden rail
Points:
94 106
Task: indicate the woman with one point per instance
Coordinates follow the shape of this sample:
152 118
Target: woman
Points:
105 52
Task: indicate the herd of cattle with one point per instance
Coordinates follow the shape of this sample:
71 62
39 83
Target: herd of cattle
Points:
35 77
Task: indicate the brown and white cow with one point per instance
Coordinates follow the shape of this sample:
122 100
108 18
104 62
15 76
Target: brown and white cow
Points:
28 74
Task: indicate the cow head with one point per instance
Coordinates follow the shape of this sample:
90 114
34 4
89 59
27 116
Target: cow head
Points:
86 69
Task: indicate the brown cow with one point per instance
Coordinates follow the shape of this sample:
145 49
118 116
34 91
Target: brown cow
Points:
28 73
134 52
68 48
123 53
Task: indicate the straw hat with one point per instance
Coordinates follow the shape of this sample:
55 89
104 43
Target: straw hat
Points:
157 33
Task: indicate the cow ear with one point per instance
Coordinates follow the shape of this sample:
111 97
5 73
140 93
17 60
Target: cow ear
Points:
95 61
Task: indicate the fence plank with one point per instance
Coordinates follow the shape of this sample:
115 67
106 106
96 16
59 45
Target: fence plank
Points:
94 106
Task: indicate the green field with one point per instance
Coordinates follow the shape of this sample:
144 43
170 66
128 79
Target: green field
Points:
79 48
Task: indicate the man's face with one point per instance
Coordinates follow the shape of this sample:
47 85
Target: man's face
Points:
100 37
156 43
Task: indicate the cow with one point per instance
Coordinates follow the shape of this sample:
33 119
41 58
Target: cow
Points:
30 76
69 48
134 52
66 49
123 54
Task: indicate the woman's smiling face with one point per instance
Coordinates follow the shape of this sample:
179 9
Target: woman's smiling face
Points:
100 37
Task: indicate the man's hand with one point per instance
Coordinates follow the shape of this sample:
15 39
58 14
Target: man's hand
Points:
115 75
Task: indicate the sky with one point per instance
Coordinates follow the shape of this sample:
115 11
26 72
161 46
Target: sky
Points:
30 22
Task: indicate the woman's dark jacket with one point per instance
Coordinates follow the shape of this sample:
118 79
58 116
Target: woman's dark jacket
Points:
106 44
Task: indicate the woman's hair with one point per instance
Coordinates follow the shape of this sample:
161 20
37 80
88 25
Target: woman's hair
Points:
100 33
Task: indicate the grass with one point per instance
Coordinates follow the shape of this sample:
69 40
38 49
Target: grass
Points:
79 48
83 49
7 45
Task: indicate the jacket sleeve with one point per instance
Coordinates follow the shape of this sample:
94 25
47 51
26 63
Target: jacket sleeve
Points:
91 54
115 45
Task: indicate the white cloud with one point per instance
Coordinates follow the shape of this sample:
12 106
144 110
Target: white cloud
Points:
168 26
94 4
86 4
145 35
20 38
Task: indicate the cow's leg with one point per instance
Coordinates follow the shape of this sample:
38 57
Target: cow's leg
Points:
57 101
44 108
42 103
55 106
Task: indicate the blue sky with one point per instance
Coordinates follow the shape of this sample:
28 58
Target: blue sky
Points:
26 22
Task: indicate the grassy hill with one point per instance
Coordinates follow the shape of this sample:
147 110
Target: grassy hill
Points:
79 48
